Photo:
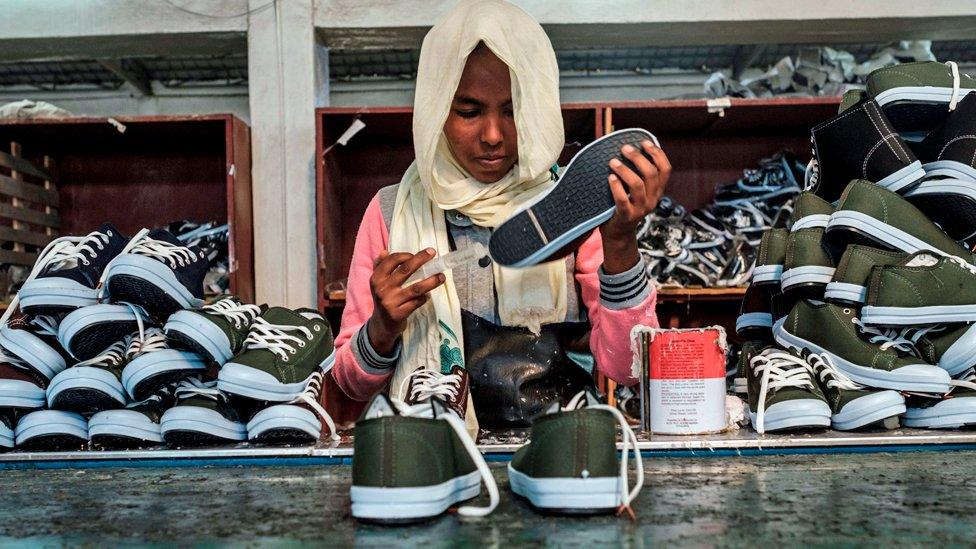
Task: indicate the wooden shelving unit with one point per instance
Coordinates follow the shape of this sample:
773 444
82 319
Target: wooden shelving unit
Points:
146 171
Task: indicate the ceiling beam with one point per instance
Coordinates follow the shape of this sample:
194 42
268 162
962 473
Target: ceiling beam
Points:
134 74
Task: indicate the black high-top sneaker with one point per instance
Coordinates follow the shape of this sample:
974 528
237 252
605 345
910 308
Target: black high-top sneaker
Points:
159 274
68 272
34 340
947 195
859 143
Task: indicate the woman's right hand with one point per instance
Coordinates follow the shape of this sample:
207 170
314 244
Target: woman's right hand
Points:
392 303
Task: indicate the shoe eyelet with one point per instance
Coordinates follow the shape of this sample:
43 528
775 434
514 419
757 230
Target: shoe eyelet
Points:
301 344
317 328
292 351
847 311
85 261
108 233
284 359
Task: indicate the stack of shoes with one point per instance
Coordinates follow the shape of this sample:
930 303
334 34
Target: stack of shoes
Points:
715 246
116 347
877 287
213 240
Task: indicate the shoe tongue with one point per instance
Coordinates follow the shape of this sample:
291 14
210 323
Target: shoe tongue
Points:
165 236
281 315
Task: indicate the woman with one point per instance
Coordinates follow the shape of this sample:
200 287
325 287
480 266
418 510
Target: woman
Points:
487 130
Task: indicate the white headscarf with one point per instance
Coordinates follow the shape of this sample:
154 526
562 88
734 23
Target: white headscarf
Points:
436 182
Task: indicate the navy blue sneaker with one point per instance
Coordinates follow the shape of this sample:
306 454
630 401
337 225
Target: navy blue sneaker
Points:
160 274
579 202
68 272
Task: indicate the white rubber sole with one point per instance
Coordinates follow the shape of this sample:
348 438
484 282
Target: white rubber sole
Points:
81 319
961 354
950 169
809 274
124 423
157 363
374 503
581 494
806 413
753 320
32 350
950 413
206 334
918 94
902 316
767 274
15 393
7 436
883 233
51 422
917 378
284 416
846 292
903 178
86 377
201 420
812 221
868 409
242 380
155 273
56 292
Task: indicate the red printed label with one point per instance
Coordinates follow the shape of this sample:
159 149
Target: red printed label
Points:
693 354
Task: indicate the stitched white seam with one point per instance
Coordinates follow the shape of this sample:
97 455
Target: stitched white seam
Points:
880 133
864 166
890 130
953 140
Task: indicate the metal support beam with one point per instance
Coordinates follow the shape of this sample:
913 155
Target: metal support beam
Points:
134 75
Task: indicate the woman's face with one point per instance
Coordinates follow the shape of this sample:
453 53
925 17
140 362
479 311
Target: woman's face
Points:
480 128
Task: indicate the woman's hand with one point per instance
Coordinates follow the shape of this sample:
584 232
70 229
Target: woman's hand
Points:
636 195
392 303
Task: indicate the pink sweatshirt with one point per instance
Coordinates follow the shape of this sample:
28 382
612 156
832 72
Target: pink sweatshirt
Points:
609 338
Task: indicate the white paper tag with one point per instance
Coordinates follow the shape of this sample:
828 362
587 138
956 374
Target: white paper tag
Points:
922 260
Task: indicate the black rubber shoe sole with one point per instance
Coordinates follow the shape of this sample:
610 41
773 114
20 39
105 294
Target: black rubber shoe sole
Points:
85 401
152 384
118 442
91 341
915 116
956 215
196 439
279 437
580 202
137 291
180 341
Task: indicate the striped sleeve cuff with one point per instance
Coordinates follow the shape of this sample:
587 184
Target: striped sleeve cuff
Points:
624 290
371 361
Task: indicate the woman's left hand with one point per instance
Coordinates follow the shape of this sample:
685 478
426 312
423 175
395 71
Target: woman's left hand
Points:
636 195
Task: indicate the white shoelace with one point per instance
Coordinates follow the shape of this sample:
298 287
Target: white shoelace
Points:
629 444
778 370
240 314
954 99
431 383
153 339
9 358
903 340
967 380
194 386
426 409
171 254
811 175
310 397
962 263
112 355
275 337
46 325
831 375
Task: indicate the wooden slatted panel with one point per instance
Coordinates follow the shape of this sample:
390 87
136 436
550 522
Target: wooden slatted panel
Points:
35 217
23 237
17 164
28 191
17 258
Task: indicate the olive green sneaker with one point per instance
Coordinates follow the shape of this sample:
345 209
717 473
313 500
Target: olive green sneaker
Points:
924 289
411 463
810 211
853 405
782 392
809 263
769 260
918 96
755 320
202 416
951 347
869 356
953 410
282 352
216 331
849 286
851 98
869 214
570 464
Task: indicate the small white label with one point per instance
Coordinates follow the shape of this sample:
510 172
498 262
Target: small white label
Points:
922 260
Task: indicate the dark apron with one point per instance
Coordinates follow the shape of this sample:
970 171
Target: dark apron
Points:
515 374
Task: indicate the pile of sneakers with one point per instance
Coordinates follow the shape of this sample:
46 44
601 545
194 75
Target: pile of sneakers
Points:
862 310
212 239
714 246
113 344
